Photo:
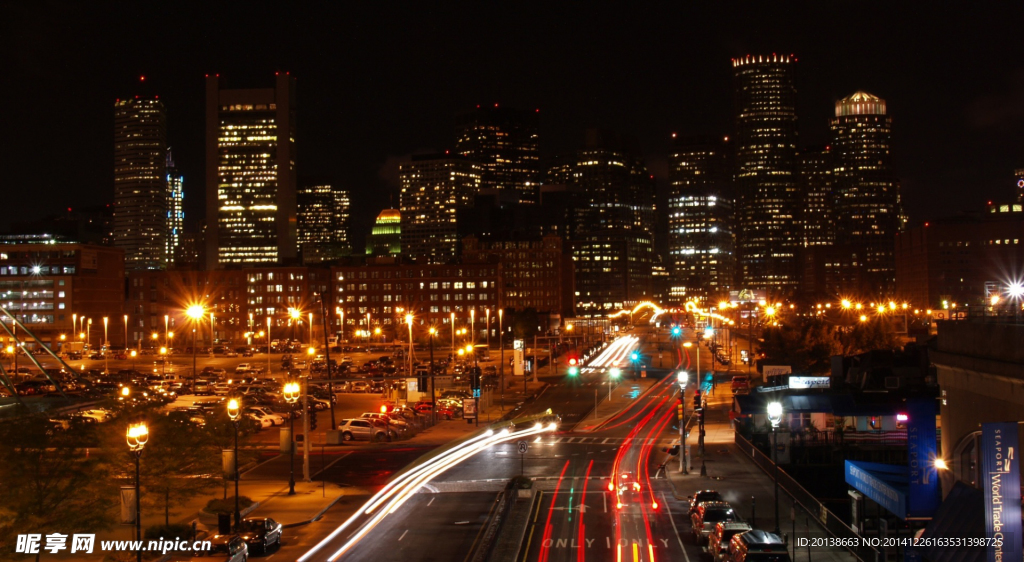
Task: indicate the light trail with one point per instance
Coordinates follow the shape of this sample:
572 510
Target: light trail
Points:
401 489
544 546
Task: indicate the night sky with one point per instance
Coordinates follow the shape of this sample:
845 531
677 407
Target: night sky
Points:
378 82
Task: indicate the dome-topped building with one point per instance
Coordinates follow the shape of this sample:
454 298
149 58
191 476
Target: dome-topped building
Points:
860 103
385 238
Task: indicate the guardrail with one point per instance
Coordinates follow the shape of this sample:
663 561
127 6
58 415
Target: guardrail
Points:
825 519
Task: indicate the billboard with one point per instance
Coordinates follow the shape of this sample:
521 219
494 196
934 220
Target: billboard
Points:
1000 483
744 296
802 382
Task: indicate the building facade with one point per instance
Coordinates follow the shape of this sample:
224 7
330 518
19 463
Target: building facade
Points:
323 223
535 274
63 291
175 209
434 187
767 195
868 209
613 246
140 183
949 263
700 219
817 215
250 174
504 141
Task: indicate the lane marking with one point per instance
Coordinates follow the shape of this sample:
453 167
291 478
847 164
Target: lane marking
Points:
332 463
403 535
668 510
431 501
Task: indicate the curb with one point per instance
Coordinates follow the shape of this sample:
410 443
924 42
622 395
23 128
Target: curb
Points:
316 517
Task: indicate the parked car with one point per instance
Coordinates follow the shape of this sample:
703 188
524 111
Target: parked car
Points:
757 546
263 413
243 368
707 515
260 533
740 384
399 423
228 548
718 541
361 430
360 386
390 431
703 496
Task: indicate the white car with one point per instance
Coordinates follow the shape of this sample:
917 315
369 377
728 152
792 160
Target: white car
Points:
98 415
242 368
275 419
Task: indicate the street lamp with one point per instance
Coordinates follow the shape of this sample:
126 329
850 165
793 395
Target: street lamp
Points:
235 414
105 347
433 402
775 417
163 356
133 354
195 312
453 332
126 332
137 437
291 396
683 378
408 321
501 345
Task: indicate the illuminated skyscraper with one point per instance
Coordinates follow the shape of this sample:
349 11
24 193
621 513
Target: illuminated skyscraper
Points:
504 142
767 196
175 209
700 219
433 188
868 207
341 220
323 223
140 185
250 174
385 239
614 237
817 216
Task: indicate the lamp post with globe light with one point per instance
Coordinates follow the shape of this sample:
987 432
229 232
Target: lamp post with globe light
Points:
775 417
137 437
235 414
196 313
291 396
683 378
1016 291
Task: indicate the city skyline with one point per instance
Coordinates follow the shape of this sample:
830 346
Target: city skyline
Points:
968 158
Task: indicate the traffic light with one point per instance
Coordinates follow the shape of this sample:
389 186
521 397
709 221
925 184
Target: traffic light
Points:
312 419
677 331
574 363
696 400
635 356
475 378
700 416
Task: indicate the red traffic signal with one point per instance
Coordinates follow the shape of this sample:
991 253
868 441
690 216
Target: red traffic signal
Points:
573 361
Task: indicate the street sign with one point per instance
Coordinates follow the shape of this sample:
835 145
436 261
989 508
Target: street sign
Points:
523 447
469 409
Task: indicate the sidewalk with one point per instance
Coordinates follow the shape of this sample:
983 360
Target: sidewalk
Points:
448 430
741 482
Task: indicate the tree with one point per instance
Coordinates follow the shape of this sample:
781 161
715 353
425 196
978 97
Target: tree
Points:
868 336
179 463
807 345
524 324
50 482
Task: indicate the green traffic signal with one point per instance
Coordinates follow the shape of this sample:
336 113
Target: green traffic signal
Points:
573 371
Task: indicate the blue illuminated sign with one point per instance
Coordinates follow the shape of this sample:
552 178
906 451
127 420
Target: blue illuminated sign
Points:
1000 482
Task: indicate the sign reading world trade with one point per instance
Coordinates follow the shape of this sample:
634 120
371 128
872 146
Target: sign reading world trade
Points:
1000 466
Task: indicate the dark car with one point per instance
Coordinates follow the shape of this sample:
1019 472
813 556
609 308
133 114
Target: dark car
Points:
707 515
703 496
230 548
261 533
